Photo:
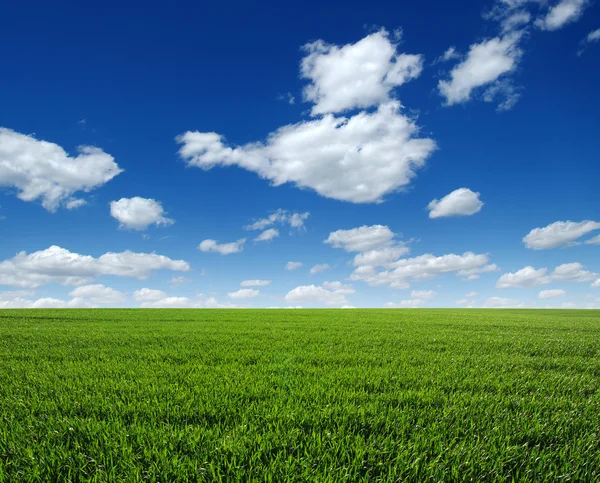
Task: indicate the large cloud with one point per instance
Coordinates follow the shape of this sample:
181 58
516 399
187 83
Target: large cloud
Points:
358 159
356 75
59 265
559 233
43 170
461 202
139 213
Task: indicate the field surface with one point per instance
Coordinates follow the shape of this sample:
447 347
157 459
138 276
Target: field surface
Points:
299 395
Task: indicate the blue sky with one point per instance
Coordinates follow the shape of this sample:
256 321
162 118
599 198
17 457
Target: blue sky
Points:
417 152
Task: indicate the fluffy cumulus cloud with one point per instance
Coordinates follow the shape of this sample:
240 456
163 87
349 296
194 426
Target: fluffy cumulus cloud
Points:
596 283
138 213
502 303
319 268
561 14
358 159
280 217
291 266
59 265
255 283
356 75
461 202
44 170
330 293
552 294
559 234
485 64
244 293
593 241
471 295
267 235
98 294
530 277
222 248
361 239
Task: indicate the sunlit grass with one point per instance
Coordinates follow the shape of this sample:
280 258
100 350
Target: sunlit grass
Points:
299 395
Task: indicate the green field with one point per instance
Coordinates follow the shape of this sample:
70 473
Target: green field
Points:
299 395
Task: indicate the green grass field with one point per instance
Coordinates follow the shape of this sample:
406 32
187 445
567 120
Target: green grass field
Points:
299 395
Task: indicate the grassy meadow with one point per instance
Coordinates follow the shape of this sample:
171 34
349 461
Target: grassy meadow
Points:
299 395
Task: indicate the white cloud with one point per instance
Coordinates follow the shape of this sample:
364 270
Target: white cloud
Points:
223 248
356 75
255 283
502 303
312 293
58 265
485 63
593 36
551 294
515 20
179 280
423 294
282 217
565 12
319 268
397 274
148 295
596 283
339 287
593 241
74 203
292 265
98 294
413 303
361 239
244 293
471 295
463 302
44 303
450 54
380 257
461 202
474 273
358 159
267 235
530 277
43 170
557 234
138 213
172 303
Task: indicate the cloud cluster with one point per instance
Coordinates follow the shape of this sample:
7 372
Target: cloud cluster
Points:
530 277
59 265
379 261
43 170
360 158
